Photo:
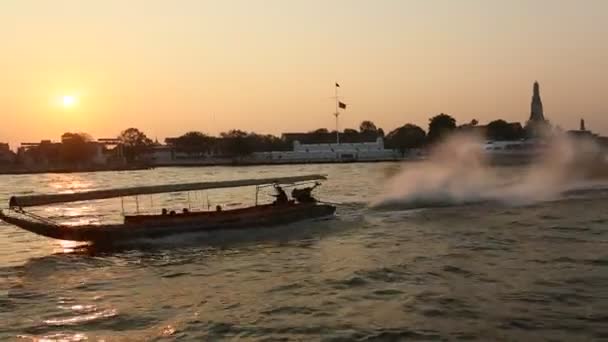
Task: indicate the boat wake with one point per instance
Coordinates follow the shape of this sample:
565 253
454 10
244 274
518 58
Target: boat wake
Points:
459 173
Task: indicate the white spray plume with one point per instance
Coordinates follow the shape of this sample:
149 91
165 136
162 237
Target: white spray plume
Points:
458 171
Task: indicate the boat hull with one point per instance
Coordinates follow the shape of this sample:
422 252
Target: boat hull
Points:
155 226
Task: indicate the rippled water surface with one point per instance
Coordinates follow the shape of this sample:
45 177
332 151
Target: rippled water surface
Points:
483 271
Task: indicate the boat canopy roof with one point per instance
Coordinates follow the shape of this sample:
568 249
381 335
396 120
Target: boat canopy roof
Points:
37 200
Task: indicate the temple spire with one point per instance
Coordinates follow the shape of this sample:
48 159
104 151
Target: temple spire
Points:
536 107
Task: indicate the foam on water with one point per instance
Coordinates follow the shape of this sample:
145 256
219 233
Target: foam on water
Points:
458 172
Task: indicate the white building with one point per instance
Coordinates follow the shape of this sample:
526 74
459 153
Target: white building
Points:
343 152
522 147
301 153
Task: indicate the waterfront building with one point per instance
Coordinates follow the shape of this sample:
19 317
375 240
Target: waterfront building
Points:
315 147
6 155
48 153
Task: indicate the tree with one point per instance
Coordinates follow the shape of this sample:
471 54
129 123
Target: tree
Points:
133 143
236 143
320 131
266 143
469 127
440 126
350 131
86 137
193 142
406 137
502 130
76 148
367 126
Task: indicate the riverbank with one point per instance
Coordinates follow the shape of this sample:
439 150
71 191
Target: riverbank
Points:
201 163
496 160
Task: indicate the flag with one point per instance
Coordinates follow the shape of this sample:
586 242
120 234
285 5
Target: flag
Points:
342 105
337 85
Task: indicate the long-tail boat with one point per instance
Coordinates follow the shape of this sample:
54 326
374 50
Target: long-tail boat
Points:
282 211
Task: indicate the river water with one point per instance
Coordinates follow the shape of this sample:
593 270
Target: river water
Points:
479 269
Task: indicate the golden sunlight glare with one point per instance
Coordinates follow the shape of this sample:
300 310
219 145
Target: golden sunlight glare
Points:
68 101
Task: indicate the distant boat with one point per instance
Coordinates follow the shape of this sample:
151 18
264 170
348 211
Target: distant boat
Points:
282 211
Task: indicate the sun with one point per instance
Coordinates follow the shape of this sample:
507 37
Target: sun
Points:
68 101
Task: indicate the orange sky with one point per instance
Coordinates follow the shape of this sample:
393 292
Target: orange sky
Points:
269 66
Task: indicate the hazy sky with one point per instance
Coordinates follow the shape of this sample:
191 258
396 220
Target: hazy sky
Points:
172 66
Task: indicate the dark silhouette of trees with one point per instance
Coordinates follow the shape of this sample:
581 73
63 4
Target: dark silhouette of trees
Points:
406 137
267 143
236 143
369 130
469 127
320 131
350 131
440 126
502 130
194 142
86 137
367 126
76 148
133 143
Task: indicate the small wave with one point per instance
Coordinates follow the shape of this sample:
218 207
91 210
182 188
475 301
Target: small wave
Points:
175 275
82 319
457 270
290 310
387 292
286 287
55 337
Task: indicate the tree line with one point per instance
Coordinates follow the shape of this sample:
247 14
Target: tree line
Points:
410 136
78 148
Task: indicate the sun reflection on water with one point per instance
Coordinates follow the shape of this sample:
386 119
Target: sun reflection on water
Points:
68 183
66 246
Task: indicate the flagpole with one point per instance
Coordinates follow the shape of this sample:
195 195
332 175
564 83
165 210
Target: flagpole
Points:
337 114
